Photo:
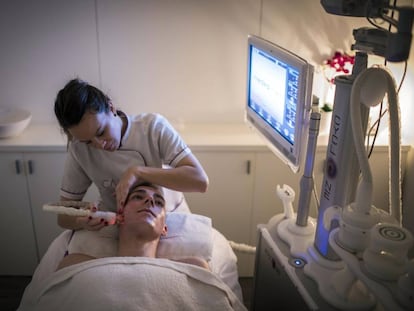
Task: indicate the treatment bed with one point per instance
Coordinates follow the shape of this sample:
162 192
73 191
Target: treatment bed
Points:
139 283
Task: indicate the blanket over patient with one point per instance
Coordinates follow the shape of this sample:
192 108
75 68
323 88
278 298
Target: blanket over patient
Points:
130 283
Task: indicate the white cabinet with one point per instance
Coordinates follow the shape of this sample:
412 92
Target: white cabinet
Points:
43 183
28 181
229 198
17 241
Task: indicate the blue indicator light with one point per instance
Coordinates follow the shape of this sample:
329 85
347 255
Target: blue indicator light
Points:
297 262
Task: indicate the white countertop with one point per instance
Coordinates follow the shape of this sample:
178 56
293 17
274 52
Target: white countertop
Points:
48 137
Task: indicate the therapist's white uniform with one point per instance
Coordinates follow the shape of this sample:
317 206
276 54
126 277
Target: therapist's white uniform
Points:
149 140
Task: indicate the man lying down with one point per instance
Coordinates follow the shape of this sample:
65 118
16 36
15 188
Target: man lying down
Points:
135 279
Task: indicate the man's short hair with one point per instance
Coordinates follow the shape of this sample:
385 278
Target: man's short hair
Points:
144 184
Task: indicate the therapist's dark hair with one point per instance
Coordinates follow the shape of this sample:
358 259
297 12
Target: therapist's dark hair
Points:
75 99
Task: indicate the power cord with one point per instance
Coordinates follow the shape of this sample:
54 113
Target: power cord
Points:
242 248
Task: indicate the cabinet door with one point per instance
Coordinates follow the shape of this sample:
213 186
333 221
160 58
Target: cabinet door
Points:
228 201
17 239
44 174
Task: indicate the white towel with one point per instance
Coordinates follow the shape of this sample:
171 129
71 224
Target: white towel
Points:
131 283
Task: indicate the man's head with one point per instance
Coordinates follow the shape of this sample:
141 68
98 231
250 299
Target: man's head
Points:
144 212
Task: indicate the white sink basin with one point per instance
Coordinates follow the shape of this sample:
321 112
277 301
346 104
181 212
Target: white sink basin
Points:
13 121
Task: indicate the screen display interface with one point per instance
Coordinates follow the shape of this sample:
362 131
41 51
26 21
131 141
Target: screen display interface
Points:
273 92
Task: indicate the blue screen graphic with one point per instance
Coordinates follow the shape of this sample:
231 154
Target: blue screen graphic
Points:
273 92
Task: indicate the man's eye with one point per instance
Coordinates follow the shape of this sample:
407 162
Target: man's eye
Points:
136 197
100 133
160 203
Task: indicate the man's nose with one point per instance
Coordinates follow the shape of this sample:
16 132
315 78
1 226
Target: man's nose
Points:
149 201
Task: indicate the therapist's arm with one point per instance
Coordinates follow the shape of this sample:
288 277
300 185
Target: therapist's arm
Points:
187 176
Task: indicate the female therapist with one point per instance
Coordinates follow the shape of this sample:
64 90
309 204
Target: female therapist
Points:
114 151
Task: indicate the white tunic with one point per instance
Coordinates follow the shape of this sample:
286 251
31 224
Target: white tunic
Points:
149 140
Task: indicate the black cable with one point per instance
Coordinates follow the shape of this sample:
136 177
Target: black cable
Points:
381 112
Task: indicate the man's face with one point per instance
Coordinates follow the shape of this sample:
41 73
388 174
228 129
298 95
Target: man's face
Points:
145 206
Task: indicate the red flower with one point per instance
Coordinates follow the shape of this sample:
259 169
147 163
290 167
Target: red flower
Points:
338 62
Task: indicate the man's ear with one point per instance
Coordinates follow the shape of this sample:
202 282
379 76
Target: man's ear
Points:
112 108
120 219
164 231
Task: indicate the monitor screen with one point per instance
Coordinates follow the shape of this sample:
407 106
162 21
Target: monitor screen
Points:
279 93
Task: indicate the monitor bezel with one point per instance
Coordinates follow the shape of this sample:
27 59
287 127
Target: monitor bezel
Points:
290 154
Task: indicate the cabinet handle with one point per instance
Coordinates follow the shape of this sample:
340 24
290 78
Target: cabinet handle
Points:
17 167
248 166
30 166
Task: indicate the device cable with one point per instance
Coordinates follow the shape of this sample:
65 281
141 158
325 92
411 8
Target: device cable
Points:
242 248
369 88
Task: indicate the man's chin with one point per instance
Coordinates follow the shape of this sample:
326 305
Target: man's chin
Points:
148 220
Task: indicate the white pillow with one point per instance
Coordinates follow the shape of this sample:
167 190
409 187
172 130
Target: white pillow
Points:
188 235
175 201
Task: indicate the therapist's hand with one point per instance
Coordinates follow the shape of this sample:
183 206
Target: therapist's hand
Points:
128 179
91 224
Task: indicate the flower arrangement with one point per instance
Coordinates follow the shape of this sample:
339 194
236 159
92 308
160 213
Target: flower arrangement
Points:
340 63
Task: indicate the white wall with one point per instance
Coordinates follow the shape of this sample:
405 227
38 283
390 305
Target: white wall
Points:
183 58
44 43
